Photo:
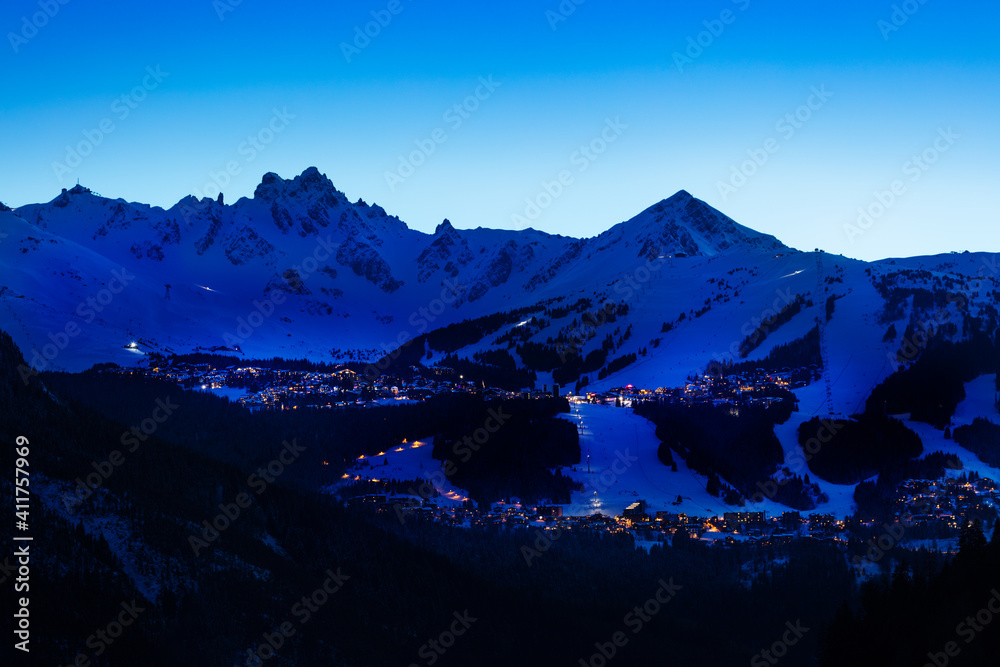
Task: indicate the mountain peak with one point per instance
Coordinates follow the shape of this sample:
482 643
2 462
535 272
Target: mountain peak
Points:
679 197
685 225
309 182
444 228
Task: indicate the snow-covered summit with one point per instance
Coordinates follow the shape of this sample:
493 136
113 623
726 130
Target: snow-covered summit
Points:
682 225
309 185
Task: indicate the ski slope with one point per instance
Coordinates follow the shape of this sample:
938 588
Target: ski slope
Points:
624 468
408 461
978 402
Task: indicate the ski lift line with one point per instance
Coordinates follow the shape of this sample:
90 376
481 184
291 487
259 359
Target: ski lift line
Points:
878 378
844 370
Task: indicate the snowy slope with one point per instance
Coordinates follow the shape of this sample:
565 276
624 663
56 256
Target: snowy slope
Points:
408 461
979 397
624 468
354 281
298 270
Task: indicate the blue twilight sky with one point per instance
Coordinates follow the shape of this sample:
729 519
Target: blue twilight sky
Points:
788 116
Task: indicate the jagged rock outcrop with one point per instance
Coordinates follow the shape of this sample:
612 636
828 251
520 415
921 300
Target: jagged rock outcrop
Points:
245 244
447 251
365 261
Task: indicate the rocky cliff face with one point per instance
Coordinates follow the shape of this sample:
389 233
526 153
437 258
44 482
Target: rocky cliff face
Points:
446 252
365 261
682 225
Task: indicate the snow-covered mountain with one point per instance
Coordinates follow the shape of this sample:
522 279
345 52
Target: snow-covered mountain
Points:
300 271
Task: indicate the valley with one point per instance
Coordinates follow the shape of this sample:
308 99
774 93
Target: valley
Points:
676 391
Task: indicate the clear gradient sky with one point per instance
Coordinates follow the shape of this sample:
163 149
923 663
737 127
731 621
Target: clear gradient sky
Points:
203 81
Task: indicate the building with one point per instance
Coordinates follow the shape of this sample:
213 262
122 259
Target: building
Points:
371 500
824 523
551 511
636 511
791 520
744 518
345 374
